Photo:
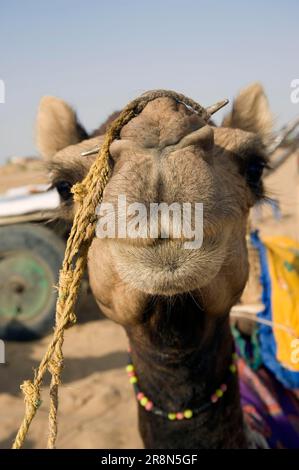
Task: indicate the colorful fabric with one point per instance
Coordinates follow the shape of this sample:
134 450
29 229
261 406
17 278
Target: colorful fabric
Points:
279 258
269 409
249 350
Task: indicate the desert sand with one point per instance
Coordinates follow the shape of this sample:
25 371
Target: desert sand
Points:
97 405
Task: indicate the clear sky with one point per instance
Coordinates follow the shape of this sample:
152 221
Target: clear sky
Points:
99 54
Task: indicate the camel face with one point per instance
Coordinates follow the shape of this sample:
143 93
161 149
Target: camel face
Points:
169 155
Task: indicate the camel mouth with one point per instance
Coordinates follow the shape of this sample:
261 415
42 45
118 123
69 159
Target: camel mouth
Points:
168 268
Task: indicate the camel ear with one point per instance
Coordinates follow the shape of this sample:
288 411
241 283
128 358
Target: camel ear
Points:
56 126
251 111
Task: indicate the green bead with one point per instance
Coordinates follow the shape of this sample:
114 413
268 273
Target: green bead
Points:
143 401
188 414
219 393
133 380
233 368
171 416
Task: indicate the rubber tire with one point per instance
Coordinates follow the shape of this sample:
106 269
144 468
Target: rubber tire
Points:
44 243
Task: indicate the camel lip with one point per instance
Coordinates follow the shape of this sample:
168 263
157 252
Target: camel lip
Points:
168 268
157 245
149 243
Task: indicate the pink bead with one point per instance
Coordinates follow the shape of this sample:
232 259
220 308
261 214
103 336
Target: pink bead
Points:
140 395
131 374
214 398
149 405
180 416
223 387
129 349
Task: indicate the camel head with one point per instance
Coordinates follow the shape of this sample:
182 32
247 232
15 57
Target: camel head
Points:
167 154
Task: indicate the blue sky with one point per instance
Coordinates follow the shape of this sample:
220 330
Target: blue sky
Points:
98 55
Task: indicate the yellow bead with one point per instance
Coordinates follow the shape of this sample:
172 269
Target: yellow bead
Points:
219 393
171 416
232 368
235 356
130 368
143 401
188 414
133 380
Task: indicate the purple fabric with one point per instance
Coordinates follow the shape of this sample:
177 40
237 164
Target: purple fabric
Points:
268 407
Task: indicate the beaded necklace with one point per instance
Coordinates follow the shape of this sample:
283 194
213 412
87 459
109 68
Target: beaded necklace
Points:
148 405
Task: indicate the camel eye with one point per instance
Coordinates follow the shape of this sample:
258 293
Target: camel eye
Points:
64 189
254 171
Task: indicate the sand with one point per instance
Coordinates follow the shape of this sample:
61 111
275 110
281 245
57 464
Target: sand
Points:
97 405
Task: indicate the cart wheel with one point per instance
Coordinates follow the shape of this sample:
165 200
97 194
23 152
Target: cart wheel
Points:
30 258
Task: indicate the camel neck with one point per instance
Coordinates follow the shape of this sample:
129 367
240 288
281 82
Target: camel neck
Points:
181 356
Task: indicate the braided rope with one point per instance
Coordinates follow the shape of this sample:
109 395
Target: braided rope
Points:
88 194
